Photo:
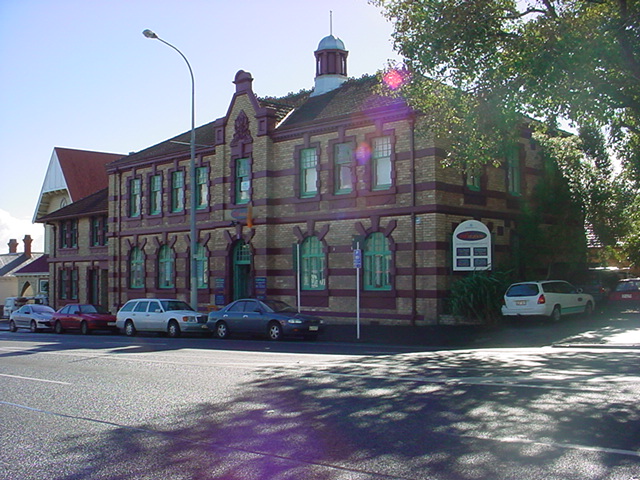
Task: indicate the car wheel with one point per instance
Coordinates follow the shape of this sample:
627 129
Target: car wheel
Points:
129 329
222 331
588 310
33 326
84 328
274 332
58 328
173 331
556 314
12 326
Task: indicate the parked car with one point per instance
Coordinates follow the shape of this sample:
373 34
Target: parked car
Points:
548 298
272 318
598 282
11 304
627 291
33 317
84 317
164 315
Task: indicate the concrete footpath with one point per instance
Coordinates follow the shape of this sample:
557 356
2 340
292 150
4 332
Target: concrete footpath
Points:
610 328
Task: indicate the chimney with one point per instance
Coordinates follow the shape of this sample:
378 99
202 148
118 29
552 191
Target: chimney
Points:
27 244
13 246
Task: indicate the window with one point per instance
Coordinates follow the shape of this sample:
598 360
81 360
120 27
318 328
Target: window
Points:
74 284
474 179
73 233
513 172
312 265
202 270
243 182
155 195
64 284
202 191
96 230
64 239
177 191
135 198
343 168
165 267
381 162
136 268
377 263
308 172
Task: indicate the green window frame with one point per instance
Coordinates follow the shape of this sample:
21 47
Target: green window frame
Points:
155 194
242 181
166 267
64 284
202 267
514 174
96 230
202 190
135 197
177 191
474 179
377 263
381 162
343 168
64 240
308 172
312 268
74 284
73 233
136 268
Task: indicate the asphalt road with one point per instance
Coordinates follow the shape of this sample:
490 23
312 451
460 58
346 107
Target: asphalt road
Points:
112 407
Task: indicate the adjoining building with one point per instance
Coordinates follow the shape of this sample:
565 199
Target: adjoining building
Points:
288 188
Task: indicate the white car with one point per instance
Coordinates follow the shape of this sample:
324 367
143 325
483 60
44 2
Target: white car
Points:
548 298
169 316
33 317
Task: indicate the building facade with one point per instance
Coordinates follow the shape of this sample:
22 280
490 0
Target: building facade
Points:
288 188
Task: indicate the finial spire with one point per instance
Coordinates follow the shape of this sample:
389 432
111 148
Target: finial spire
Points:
330 22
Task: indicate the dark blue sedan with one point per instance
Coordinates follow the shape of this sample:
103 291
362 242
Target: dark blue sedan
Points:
272 318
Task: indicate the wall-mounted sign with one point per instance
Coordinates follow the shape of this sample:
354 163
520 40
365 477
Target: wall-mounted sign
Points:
471 246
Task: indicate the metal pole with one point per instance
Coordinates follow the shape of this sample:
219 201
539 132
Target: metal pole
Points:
192 175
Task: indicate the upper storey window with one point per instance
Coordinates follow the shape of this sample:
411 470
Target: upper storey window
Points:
177 191
514 173
155 194
135 197
202 191
308 172
242 181
343 168
381 162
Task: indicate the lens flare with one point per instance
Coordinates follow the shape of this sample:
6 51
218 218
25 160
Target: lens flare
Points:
363 153
394 78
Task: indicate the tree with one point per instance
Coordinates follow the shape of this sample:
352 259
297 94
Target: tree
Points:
481 66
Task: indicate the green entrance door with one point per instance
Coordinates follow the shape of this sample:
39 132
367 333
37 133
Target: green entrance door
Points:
241 258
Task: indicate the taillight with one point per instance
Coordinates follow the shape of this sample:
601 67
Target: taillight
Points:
541 300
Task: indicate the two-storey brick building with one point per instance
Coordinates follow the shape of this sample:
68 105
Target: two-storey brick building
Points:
286 189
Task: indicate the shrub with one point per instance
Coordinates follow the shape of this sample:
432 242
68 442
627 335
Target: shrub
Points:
479 296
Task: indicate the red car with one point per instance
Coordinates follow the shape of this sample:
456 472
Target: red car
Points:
627 290
84 317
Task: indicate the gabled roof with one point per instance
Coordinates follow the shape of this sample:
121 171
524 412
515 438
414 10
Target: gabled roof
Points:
39 265
10 263
79 173
95 204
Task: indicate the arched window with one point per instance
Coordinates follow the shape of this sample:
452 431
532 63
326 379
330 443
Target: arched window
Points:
136 268
377 263
202 266
312 265
166 264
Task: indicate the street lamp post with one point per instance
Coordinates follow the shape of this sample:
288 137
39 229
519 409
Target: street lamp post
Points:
192 174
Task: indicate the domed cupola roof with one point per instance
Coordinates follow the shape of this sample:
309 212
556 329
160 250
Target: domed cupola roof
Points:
331 43
331 65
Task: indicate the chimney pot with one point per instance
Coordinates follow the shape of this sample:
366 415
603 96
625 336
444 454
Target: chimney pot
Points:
27 244
13 246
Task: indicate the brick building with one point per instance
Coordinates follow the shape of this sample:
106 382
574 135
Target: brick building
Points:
287 187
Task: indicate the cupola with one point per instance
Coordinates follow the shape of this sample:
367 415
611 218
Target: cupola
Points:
331 65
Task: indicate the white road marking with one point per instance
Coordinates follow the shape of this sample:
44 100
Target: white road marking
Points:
34 379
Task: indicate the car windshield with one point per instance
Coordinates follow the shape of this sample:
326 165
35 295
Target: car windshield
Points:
628 286
170 305
93 309
279 306
523 290
41 309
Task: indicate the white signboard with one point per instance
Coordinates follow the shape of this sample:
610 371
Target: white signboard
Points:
471 246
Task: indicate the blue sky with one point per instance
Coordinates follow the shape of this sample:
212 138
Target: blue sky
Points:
80 74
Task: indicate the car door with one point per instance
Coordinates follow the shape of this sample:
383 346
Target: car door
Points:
140 315
234 316
63 317
253 317
21 317
572 301
156 318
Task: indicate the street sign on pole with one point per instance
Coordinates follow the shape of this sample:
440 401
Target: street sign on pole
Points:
357 258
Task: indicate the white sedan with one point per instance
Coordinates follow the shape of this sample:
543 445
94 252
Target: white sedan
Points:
33 317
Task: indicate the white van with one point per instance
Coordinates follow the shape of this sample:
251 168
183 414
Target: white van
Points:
11 304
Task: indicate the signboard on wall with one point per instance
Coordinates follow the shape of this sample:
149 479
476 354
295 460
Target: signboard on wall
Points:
471 246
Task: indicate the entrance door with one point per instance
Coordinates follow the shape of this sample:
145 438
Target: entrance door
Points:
241 260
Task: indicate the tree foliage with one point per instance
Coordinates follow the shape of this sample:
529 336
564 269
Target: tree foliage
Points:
479 66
